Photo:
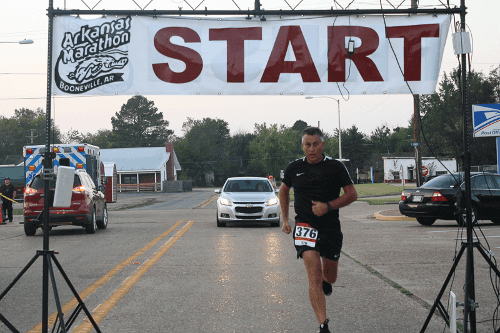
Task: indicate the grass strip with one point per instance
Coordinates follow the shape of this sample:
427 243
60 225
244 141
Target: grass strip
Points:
380 201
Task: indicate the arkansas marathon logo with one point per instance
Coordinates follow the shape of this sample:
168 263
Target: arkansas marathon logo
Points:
93 56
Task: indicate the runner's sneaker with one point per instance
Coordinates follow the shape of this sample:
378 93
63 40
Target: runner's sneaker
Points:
323 328
327 288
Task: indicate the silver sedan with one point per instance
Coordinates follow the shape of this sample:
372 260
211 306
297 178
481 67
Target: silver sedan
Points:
247 199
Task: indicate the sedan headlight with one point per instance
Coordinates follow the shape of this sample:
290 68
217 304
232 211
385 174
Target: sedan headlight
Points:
225 202
272 202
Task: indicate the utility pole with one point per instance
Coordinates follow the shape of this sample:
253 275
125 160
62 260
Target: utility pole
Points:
416 128
32 136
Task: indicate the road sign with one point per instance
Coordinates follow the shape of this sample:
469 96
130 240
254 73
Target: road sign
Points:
415 143
425 171
486 120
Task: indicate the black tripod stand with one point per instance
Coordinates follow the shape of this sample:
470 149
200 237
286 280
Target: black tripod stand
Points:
48 269
470 304
49 255
470 314
48 258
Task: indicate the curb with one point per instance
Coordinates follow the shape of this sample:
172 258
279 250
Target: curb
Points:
388 215
379 195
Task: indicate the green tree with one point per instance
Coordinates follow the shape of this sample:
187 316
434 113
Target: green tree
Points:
139 124
238 148
25 127
71 136
332 145
401 139
272 149
299 126
103 139
380 139
202 150
355 148
494 79
442 122
383 141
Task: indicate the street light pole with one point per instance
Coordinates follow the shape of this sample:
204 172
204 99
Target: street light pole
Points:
24 41
416 129
340 131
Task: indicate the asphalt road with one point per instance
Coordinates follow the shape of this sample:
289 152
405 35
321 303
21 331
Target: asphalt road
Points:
163 266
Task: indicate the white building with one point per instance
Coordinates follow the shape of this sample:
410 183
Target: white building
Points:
398 168
143 168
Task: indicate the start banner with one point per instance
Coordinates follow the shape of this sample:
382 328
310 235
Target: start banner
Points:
357 55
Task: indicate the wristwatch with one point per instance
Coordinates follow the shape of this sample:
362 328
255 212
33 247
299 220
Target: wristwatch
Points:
330 208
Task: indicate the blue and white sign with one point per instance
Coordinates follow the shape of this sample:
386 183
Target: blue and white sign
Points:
486 120
498 155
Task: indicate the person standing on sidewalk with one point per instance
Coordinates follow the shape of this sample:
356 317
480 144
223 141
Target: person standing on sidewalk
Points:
273 182
317 180
8 192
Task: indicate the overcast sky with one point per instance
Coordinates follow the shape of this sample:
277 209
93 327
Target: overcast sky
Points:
23 73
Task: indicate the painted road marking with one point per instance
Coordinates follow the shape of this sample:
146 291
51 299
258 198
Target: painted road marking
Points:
69 306
206 202
102 310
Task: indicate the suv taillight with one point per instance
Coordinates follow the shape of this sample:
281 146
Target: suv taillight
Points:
29 191
437 196
79 189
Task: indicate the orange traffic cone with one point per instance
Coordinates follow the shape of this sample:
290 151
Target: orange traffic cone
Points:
2 221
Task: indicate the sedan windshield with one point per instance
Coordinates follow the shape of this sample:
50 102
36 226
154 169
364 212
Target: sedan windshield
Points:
247 185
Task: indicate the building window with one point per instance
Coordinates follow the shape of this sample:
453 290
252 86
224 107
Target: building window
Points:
146 178
129 179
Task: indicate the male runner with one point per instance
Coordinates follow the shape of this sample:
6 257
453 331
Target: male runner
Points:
316 180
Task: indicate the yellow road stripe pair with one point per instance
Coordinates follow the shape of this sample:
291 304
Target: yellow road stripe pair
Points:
207 202
104 308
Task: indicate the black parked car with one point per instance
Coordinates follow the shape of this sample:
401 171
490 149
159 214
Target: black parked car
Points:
441 198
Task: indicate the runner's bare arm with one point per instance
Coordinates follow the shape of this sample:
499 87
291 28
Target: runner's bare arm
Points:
284 196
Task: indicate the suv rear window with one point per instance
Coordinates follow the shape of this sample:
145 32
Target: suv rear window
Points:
38 183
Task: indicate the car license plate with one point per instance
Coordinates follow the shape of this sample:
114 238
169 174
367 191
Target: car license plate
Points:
418 198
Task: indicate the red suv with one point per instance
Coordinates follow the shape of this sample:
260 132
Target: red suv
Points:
88 205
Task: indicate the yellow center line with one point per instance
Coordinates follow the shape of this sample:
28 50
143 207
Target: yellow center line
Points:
69 306
206 202
105 307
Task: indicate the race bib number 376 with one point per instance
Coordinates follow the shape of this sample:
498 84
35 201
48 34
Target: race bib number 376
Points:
305 235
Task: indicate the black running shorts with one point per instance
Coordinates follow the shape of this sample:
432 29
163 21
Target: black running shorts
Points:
328 243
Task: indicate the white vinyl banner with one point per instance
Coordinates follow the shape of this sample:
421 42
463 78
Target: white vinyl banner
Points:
238 56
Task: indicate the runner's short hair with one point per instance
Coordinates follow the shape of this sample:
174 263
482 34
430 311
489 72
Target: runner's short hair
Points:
312 131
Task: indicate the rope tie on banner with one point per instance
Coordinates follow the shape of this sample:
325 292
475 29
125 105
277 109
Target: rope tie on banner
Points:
14 201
